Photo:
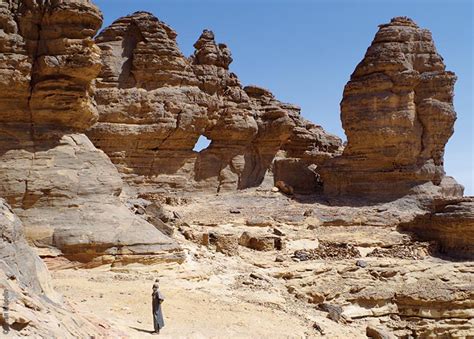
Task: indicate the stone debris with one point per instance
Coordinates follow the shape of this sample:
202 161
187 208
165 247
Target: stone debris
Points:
318 328
334 312
278 232
376 332
415 251
279 258
312 222
328 250
258 276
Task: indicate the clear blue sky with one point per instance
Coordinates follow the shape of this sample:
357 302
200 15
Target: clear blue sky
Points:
304 51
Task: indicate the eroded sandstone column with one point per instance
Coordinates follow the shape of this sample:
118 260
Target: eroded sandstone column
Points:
397 112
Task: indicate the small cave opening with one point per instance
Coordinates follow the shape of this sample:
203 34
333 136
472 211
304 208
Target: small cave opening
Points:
201 144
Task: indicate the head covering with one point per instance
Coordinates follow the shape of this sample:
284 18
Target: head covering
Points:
156 284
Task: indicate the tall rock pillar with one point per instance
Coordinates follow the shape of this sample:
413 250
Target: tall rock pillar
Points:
397 112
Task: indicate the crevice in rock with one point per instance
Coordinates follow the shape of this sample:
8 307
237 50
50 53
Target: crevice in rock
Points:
130 41
25 194
420 122
168 136
33 76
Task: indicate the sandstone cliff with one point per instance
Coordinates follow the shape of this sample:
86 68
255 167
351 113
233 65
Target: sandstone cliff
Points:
397 112
65 190
154 104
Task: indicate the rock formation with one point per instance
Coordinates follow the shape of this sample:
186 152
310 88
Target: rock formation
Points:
144 104
305 152
65 190
450 224
154 104
397 112
28 302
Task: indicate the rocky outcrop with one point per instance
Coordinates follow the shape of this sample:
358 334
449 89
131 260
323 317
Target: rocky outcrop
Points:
304 154
412 298
397 112
29 305
154 104
451 225
63 188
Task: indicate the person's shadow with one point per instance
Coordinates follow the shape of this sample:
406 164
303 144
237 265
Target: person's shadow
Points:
142 330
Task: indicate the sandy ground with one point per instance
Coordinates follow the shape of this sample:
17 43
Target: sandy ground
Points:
196 305
205 298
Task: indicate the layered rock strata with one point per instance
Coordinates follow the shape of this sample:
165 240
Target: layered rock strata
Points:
450 224
29 305
414 298
304 154
63 188
397 112
154 104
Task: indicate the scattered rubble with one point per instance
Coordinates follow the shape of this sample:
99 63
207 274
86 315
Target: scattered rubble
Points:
328 250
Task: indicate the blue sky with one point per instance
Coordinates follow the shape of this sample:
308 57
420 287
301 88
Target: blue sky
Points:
304 51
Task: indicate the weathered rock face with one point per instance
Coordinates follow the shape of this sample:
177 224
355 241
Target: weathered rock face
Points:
33 308
307 149
397 112
63 188
18 259
48 62
451 225
154 104
425 299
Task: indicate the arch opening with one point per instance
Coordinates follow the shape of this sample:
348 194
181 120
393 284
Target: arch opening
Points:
201 144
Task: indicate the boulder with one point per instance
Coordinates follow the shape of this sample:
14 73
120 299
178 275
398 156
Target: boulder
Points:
259 221
227 244
284 187
261 242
